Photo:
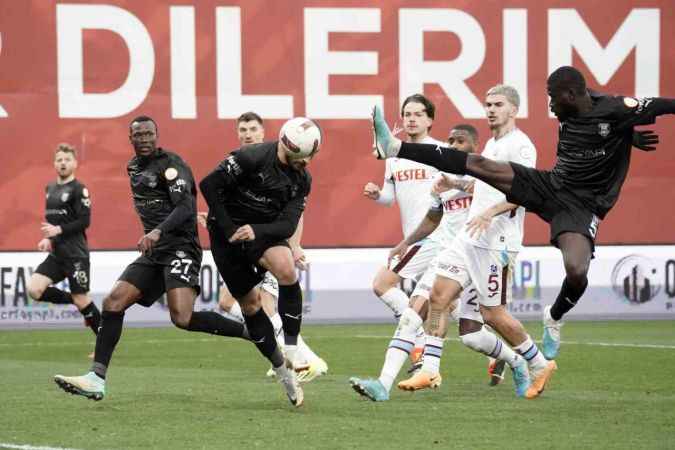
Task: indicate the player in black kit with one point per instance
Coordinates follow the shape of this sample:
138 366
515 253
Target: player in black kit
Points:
594 147
256 197
164 196
67 216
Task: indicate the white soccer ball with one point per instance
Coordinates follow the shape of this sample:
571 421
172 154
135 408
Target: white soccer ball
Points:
301 136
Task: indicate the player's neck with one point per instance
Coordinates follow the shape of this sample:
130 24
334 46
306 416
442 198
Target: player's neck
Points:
502 131
417 138
68 179
281 155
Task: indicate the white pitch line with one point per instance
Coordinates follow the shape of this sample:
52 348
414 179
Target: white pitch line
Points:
31 447
358 336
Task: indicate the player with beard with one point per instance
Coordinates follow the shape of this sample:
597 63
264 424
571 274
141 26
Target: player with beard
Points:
67 217
251 130
593 155
165 197
256 197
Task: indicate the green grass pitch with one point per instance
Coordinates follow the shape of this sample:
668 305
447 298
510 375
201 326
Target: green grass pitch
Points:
615 388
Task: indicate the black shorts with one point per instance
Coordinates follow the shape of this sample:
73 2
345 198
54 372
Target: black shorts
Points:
560 207
162 271
75 269
238 263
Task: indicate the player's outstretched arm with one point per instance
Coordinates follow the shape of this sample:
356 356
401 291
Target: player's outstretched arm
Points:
210 187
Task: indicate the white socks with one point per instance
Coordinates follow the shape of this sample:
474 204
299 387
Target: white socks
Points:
529 351
400 347
395 299
433 350
489 344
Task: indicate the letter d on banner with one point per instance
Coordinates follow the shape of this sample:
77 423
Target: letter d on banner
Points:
73 102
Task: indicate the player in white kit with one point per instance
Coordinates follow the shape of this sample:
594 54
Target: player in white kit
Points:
483 256
445 217
407 183
309 365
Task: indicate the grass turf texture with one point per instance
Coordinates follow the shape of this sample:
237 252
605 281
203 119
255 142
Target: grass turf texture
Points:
172 389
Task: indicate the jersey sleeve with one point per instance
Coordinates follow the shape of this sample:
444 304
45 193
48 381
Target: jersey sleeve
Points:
81 205
221 180
388 191
180 185
632 112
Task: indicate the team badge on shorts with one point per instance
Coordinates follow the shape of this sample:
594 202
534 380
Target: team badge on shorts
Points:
180 253
603 129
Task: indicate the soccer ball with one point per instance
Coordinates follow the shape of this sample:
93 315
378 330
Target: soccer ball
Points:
301 136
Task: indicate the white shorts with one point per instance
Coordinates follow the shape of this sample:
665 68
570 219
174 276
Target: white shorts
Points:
416 260
469 308
270 284
490 271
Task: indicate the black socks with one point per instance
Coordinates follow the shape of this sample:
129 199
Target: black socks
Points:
213 323
290 310
261 333
567 298
444 159
106 340
56 296
92 317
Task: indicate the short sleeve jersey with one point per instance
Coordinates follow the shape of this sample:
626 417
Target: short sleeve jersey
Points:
506 230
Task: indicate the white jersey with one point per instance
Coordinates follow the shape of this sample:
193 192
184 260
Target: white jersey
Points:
455 205
506 230
411 183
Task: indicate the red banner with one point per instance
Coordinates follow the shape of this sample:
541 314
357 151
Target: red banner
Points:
79 72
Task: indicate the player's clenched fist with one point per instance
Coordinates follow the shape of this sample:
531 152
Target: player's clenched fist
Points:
372 191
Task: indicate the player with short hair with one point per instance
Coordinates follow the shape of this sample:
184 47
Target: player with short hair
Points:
250 130
446 215
256 197
165 198
67 216
407 183
482 257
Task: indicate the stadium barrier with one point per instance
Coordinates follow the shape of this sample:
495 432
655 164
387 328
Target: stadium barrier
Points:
631 282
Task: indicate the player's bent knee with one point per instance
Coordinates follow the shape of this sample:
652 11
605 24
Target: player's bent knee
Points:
577 274
181 319
35 292
287 275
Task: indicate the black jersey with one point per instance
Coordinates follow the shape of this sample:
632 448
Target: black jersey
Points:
594 149
165 197
251 186
69 206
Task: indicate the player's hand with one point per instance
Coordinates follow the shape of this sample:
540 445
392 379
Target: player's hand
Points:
148 241
442 184
372 191
201 218
398 251
45 245
243 233
299 257
49 230
645 140
468 187
478 225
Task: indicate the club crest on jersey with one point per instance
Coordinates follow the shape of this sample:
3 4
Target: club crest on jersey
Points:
603 129
180 253
65 196
493 268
